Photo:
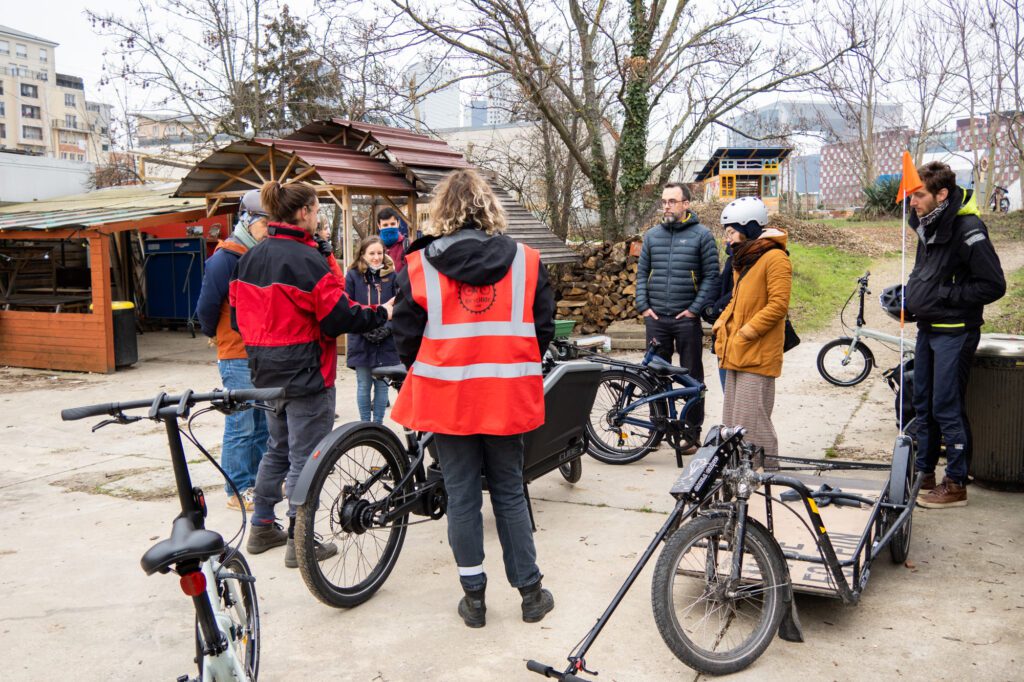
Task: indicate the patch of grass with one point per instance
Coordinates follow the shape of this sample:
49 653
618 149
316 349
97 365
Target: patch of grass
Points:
854 223
1008 316
823 278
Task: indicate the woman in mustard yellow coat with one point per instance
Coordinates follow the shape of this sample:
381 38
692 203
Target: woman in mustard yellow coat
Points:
750 332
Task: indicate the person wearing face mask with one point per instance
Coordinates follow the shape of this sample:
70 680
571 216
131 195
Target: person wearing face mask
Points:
371 281
395 235
676 277
750 333
245 433
289 308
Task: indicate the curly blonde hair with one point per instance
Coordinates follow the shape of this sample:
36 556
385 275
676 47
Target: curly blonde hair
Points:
464 196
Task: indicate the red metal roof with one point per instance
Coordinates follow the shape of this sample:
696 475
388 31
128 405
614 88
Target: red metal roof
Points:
338 165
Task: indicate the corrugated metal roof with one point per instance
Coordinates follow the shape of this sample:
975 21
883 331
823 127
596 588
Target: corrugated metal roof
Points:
523 226
335 165
100 207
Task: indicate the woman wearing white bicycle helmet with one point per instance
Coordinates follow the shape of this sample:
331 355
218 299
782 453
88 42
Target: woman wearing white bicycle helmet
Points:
750 332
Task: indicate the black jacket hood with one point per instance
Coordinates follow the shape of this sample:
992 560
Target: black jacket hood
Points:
469 255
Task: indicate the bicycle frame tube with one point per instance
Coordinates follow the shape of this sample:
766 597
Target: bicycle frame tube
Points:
690 391
182 479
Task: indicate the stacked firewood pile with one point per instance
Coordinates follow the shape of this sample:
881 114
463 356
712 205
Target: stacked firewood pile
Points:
600 288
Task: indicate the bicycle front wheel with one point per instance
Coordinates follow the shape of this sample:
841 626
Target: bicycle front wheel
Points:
843 364
343 507
236 599
711 623
613 440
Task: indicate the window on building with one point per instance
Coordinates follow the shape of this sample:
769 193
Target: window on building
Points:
106 147
69 100
43 54
29 111
71 120
3 112
20 51
104 130
63 155
727 187
30 90
81 157
31 132
3 130
769 185
5 47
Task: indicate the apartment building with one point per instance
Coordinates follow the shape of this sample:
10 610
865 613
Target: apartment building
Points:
43 112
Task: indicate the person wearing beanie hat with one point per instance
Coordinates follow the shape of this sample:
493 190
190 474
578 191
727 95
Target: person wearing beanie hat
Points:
750 332
245 433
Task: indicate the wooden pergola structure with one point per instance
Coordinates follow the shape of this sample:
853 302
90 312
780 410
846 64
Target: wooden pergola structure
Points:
350 162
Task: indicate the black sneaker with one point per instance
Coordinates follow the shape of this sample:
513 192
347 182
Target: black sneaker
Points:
472 609
537 602
264 537
324 550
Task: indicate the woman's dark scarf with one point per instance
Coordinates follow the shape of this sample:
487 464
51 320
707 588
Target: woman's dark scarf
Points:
745 254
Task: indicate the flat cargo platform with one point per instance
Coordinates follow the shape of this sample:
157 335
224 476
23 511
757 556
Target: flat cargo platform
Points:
845 526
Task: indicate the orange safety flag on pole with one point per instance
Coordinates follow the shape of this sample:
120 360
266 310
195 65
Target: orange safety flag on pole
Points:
910 181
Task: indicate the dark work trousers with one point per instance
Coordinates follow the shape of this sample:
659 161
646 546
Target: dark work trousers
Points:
684 336
296 425
500 458
942 365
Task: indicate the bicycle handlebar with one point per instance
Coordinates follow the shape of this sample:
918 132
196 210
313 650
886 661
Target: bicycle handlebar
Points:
548 671
234 396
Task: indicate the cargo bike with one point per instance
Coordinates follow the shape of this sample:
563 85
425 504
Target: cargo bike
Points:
362 484
741 541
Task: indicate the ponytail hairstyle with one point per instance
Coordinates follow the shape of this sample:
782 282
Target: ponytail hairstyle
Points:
283 202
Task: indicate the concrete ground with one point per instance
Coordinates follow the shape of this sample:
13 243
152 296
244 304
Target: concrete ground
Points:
78 510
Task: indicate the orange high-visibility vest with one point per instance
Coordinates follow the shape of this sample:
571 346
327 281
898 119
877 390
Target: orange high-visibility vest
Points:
478 370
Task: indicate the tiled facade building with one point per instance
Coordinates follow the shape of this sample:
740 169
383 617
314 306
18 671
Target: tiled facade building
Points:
1007 168
841 166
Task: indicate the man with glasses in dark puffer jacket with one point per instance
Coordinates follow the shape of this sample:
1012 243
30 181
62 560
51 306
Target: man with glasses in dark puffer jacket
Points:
678 276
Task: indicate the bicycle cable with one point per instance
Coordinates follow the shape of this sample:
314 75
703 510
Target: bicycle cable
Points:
817 545
192 438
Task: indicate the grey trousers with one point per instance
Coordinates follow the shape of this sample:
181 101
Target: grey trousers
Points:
500 458
296 425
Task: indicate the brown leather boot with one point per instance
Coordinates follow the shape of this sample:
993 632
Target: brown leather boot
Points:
927 483
946 494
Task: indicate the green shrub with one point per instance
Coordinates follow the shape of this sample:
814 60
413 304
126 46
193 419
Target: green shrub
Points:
881 199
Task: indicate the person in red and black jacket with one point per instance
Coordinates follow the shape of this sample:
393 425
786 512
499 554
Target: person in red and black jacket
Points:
289 308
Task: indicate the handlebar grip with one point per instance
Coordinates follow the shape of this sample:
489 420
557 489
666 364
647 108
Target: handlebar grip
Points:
537 667
246 394
73 413
569 677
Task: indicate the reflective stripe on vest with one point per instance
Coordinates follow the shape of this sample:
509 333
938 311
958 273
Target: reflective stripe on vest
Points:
516 327
436 329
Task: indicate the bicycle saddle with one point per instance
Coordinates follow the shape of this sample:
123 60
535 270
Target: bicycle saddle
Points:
186 542
393 372
659 366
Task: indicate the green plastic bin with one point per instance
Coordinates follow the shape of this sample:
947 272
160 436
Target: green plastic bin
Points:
563 328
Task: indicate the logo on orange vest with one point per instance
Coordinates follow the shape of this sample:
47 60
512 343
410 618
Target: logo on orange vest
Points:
477 299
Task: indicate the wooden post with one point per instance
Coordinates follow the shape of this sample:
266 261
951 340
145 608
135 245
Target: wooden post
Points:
99 264
346 222
410 210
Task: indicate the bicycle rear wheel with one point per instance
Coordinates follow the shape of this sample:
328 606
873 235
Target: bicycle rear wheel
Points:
610 440
237 600
710 624
342 507
842 364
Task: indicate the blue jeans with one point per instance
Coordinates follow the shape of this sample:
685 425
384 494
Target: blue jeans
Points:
364 383
942 367
296 426
500 458
245 433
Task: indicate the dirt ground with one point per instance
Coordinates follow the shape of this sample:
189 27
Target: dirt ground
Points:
79 509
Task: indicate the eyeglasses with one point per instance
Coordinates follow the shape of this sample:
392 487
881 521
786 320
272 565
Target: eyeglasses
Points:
672 202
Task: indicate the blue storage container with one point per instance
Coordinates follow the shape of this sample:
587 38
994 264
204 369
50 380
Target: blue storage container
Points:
174 275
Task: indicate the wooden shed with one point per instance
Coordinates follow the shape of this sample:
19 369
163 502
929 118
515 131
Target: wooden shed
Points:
57 261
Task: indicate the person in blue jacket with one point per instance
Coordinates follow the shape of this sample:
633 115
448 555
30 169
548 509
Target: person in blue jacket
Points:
371 281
